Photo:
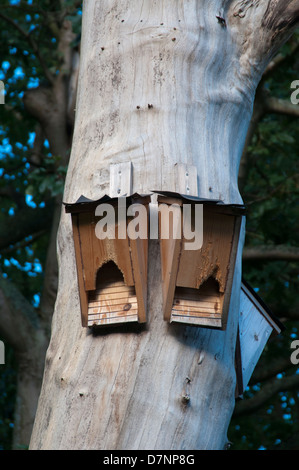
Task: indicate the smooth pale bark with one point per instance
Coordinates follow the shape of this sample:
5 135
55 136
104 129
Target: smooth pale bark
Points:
125 387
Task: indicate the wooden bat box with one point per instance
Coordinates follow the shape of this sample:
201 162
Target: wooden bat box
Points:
111 271
256 324
197 282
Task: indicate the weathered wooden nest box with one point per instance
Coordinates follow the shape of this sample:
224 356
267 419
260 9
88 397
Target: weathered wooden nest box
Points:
197 283
112 271
256 324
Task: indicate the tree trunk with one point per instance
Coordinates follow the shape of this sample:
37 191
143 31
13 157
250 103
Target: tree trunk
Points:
124 388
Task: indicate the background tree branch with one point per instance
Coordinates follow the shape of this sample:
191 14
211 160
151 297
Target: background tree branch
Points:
271 252
26 222
270 389
279 106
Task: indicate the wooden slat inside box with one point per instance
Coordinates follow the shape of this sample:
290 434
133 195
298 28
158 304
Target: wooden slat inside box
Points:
204 304
112 301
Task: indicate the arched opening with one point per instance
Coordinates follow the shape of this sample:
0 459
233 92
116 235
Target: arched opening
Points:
205 303
112 302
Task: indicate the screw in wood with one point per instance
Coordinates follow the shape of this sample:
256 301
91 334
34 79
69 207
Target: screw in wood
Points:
186 399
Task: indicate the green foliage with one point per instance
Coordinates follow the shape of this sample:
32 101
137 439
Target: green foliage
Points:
29 35
271 196
46 181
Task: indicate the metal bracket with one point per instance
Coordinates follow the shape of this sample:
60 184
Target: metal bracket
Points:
121 179
186 179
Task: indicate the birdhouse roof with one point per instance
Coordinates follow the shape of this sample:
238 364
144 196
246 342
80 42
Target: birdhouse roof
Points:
262 307
85 204
234 209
